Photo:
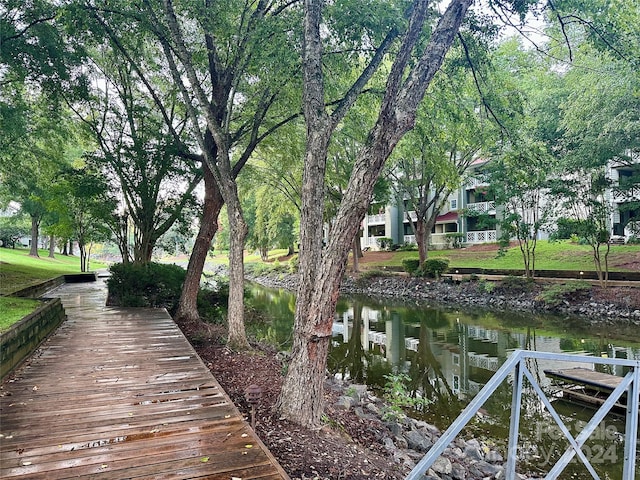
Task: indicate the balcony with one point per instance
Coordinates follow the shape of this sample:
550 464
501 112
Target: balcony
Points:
435 239
482 207
377 219
370 242
474 182
484 236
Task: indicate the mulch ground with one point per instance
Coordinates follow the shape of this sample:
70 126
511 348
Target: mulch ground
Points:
347 447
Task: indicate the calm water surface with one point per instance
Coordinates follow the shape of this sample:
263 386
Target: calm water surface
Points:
449 354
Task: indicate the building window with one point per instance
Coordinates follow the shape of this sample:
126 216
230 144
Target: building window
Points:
453 204
456 359
456 383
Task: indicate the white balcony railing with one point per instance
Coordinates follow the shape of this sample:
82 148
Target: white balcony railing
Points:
370 242
409 239
482 207
435 239
376 219
484 236
474 182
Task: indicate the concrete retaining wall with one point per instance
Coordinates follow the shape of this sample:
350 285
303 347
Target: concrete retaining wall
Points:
17 343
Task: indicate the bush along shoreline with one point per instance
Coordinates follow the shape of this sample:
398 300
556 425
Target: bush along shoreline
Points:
576 298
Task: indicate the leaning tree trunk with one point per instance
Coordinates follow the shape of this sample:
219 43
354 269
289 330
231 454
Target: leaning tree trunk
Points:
188 305
302 392
35 226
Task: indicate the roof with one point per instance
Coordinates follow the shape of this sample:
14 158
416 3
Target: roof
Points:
447 217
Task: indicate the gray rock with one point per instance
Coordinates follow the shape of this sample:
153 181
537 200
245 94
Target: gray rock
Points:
395 428
458 472
372 407
401 442
494 457
418 441
344 402
473 452
442 466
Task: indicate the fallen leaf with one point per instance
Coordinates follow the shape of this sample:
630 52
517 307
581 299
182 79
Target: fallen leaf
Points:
244 435
248 446
204 459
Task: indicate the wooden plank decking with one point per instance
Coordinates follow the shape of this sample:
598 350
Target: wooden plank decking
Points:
121 394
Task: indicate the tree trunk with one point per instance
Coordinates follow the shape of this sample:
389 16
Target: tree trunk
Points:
188 304
83 257
238 232
35 226
65 250
52 246
71 246
421 240
354 254
302 392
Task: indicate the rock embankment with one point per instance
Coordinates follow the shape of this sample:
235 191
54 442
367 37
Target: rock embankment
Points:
408 440
622 308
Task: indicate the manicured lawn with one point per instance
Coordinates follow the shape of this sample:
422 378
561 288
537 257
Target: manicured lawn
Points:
549 256
13 309
19 270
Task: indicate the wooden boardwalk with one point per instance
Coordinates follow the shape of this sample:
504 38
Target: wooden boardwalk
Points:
121 394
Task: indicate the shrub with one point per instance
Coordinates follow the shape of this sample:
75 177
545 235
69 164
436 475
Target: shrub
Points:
434 267
212 303
408 247
485 286
385 243
515 284
554 294
633 240
411 265
454 240
151 285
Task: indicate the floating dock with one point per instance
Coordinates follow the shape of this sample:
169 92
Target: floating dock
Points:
587 387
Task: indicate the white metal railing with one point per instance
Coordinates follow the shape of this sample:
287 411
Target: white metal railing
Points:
517 363
435 239
475 182
482 236
377 218
484 361
371 242
482 207
409 239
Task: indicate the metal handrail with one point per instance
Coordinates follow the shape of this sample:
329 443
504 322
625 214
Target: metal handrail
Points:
630 383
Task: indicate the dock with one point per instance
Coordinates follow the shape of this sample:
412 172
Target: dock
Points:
119 393
587 387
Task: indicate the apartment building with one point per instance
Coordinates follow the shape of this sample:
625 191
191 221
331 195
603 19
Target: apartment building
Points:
462 206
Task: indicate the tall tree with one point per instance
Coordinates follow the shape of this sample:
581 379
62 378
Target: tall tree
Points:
407 80
224 72
29 167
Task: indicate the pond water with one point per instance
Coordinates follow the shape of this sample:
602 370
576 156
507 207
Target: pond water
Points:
446 355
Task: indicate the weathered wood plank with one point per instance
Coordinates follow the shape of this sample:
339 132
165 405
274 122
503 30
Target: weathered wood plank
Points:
120 393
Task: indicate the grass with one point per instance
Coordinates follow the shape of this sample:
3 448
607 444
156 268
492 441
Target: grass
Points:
549 256
14 309
18 270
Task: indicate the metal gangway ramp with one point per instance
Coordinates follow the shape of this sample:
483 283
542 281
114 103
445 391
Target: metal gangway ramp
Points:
516 364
